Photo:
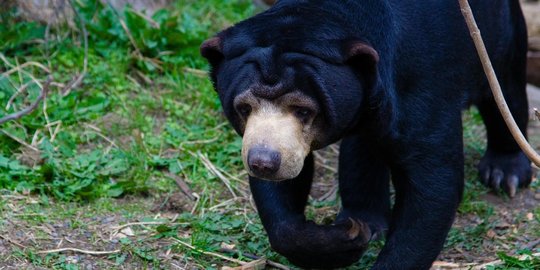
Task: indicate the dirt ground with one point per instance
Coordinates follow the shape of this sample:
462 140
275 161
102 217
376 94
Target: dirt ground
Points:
97 231
90 231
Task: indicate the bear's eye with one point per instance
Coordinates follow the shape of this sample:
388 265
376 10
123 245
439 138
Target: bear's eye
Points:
303 113
243 110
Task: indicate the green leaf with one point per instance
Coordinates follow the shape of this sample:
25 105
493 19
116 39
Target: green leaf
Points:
4 162
143 253
120 259
16 166
115 191
25 187
162 228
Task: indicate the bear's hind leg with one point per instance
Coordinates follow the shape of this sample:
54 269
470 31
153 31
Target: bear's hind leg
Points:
504 166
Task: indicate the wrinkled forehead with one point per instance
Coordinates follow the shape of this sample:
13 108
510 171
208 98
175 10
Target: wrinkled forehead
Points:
293 31
269 73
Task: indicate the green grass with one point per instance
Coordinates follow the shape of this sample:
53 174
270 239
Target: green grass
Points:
109 151
144 111
136 115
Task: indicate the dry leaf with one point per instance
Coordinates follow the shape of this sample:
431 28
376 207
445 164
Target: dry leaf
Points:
227 246
259 264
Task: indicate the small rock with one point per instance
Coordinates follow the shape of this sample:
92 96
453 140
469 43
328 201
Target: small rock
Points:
107 220
537 196
530 216
491 234
72 259
502 225
120 235
127 231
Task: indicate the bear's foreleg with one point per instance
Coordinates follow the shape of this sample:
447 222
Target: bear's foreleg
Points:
364 184
281 209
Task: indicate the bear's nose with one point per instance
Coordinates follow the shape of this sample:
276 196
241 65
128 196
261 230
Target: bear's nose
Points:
263 161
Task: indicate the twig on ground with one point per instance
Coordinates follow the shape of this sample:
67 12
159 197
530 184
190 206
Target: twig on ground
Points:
253 265
225 204
13 137
46 116
494 83
255 257
78 79
144 77
330 168
13 197
182 185
196 72
89 252
19 91
438 264
148 19
13 242
243 185
126 30
21 67
120 227
531 245
208 141
97 131
196 204
58 125
330 195
130 37
474 266
212 168
210 253
29 109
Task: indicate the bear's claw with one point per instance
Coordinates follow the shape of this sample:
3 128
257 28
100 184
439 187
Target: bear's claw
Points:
506 171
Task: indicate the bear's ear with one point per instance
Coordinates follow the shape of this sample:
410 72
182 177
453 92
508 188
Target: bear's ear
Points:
358 50
364 59
211 50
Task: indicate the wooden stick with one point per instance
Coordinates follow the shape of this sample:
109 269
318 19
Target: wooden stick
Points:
31 108
182 185
255 257
78 79
13 242
120 227
210 253
89 252
494 83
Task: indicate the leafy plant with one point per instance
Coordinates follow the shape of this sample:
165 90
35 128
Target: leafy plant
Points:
525 261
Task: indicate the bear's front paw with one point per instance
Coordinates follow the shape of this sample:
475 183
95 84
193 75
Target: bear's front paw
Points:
506 171
310 245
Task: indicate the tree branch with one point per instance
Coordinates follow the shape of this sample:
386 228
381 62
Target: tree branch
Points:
78 79
32 107
494 84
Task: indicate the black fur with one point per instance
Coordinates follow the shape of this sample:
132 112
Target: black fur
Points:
399 116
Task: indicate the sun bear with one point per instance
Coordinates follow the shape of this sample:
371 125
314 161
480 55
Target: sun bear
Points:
389 79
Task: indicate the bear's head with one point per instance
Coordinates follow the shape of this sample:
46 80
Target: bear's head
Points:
286 90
